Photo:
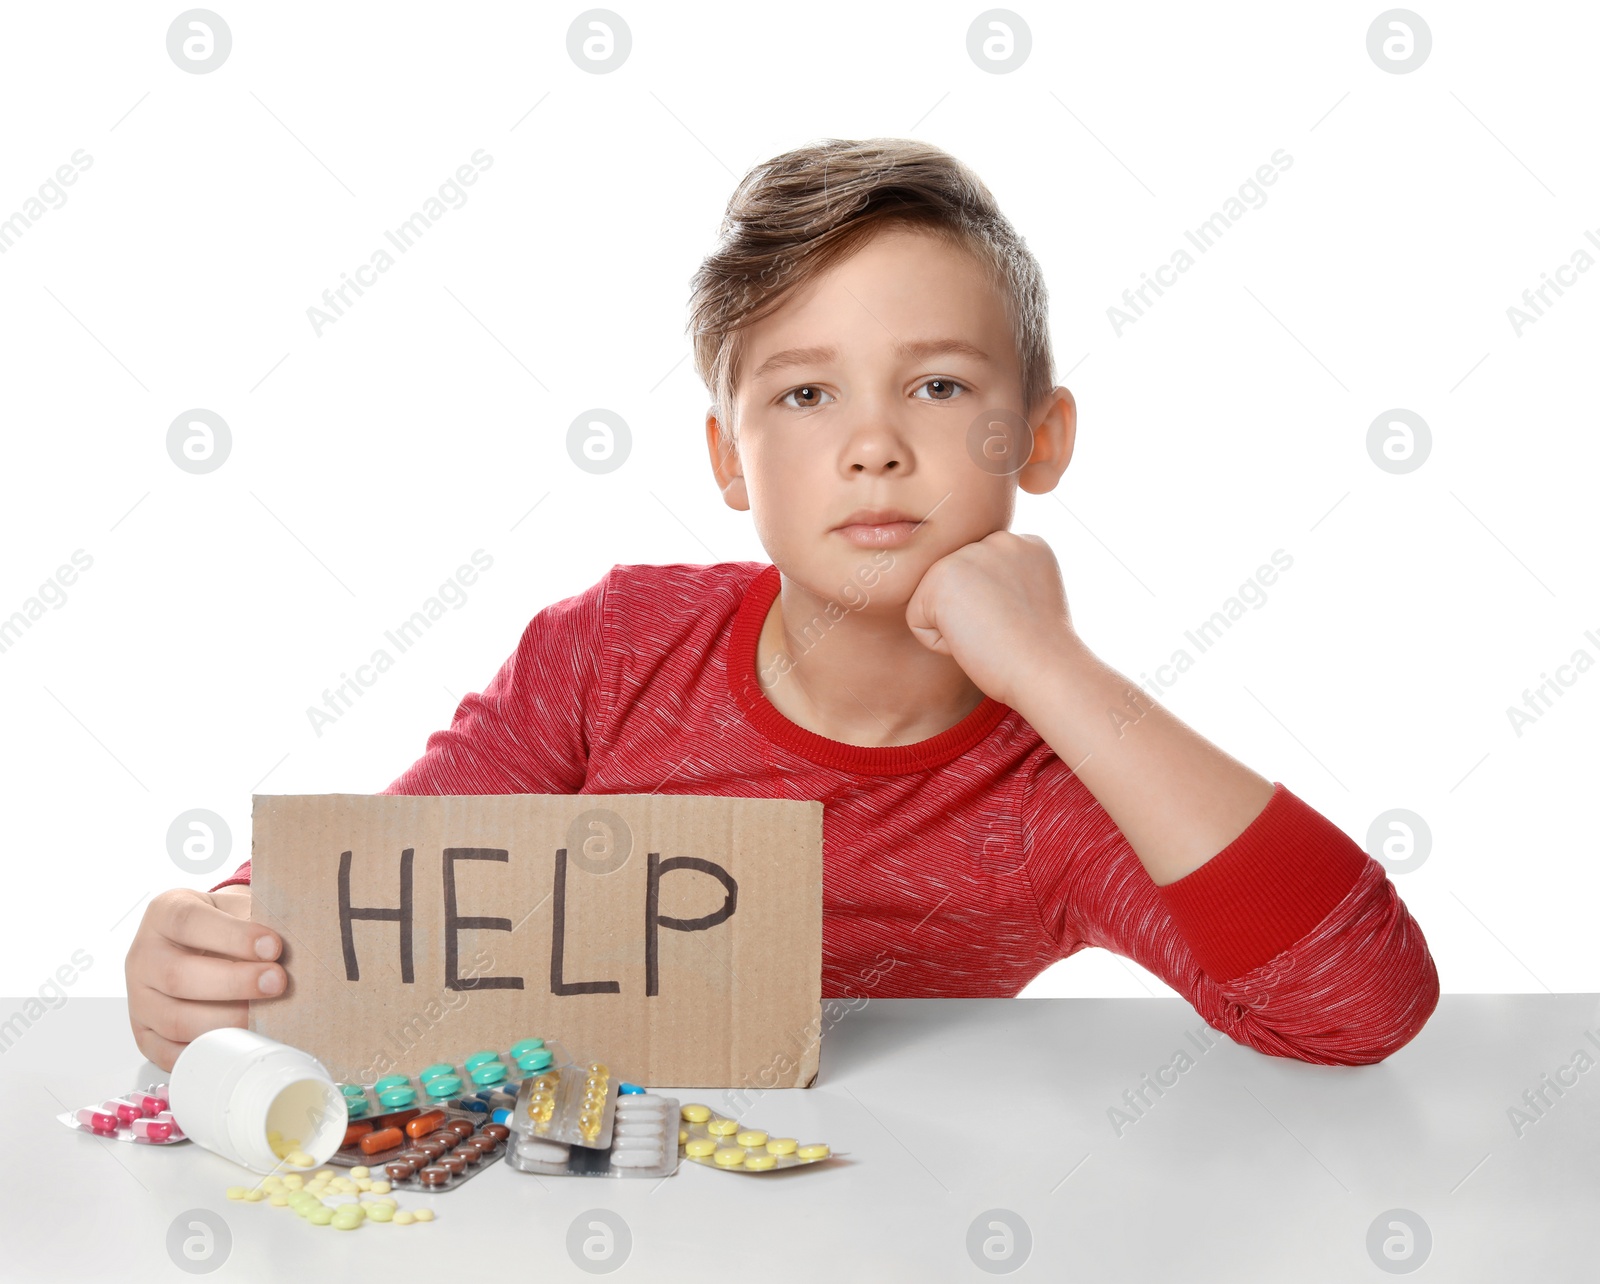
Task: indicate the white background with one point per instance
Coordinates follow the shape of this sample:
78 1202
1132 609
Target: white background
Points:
369 462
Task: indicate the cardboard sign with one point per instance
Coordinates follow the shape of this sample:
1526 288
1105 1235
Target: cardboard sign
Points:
678 939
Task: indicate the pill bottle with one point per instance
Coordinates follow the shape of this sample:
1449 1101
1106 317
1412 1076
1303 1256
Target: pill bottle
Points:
231 1088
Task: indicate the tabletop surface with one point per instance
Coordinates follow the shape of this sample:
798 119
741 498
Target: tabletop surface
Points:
973 1137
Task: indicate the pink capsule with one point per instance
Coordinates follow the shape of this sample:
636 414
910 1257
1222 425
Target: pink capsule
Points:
99 1120
152 1129
127 1111
147 1103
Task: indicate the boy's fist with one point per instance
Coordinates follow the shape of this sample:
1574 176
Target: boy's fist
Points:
194 964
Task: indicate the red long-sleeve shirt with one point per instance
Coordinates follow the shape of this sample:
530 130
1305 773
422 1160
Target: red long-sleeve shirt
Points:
961 865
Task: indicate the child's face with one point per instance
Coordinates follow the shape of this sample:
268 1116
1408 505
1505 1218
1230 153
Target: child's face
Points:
850 421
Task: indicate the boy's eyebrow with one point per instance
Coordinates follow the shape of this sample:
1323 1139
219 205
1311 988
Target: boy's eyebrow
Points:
911 350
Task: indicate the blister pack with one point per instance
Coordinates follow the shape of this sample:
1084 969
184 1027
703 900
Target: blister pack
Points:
643 1144
140 1116
433 1150
481 1082
567 1103
714 1141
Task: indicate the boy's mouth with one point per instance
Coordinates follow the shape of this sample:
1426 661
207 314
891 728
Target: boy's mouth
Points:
878 527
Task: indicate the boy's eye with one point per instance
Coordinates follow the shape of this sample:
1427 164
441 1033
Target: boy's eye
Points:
946 388
811 389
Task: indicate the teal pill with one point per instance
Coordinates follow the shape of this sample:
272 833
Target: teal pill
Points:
538 1059
355 1107
396 1097
434 1071
479 1058
444 1085
390 1081
352 1090
489 1072
525 1045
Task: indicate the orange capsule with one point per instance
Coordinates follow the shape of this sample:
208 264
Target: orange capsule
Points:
422 1125
355 1132
387 1139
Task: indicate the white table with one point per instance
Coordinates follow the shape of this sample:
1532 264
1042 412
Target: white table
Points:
1247 1168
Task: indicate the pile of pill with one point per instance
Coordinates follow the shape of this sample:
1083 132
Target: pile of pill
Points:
140 1116
716 1142
289 1151
306 1195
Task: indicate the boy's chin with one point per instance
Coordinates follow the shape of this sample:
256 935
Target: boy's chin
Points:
860 579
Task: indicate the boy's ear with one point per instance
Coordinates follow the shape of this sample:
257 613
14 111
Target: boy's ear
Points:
1055 431
725 463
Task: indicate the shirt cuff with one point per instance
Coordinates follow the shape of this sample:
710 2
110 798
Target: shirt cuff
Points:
1266 889
239 876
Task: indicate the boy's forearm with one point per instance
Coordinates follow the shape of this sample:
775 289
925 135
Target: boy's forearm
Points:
1176 797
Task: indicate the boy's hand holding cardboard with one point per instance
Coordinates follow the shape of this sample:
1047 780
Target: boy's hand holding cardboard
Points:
998 608
194 965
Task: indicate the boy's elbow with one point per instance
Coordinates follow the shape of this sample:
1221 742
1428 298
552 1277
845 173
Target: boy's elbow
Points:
1392 1020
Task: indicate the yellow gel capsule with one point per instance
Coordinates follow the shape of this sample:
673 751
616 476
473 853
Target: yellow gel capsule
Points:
683 1136
818 1151
695 1114
759 1162
752 1138
782 1146
700 1147
729 1157
422 1215
722 1127
598 1069
403 1218
235 1192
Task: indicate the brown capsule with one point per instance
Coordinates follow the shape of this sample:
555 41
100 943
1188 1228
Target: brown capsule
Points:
483 1145
435 1175
462 1128
466 1154
399 1170
416 1156
433 1147
498 1131
453 1164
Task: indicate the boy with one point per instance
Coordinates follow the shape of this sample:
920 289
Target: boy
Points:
996 798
